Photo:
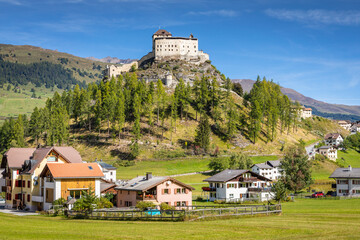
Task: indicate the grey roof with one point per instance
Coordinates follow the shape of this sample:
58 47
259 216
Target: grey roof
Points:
105 186
324 147
225 175
106 165
346 173
263 165
275 163
141 184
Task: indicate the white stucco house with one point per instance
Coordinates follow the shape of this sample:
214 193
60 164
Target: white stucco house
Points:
333 139
346 124
108 170
269 169
347 181
237 186
328 151
355 128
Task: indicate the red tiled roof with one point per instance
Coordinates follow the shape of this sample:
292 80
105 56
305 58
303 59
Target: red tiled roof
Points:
75 170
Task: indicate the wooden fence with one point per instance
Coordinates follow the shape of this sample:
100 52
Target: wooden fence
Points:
189 213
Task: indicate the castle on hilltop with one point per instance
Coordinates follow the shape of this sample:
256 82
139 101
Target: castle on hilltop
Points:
165 47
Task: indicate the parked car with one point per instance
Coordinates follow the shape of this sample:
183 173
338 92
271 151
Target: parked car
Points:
331 193
317 194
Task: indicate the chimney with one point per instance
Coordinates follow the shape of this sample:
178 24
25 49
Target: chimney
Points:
350 168
148 175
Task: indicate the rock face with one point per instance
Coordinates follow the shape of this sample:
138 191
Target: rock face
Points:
170 72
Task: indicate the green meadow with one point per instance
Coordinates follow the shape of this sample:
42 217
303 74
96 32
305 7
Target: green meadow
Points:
302 219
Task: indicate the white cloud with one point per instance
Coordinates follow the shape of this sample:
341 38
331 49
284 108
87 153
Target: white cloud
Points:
316 16
13 2
222 13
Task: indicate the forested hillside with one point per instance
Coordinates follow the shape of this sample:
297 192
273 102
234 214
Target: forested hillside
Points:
132 118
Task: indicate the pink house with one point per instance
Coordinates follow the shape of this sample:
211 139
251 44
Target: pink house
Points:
156 189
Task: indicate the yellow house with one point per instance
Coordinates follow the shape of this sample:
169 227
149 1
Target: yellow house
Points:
23 167
69 180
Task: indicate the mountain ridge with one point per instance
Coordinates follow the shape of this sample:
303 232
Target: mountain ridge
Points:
320 106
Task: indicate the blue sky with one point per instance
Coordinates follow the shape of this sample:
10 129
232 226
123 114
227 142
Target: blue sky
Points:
310 46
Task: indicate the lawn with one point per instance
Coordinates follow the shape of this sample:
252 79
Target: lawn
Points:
171 167
351 157
303 219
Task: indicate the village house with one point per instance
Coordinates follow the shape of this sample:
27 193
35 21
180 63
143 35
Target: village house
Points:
108 170
270 169
68 181
329 152
156 189
355 128
23 167
333 139
346 124
347 181
237 186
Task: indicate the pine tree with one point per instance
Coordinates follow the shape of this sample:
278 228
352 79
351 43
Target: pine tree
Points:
136 127
202 138
19 132
35 125
160 94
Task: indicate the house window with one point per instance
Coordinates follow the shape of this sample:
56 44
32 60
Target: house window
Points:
178 190
178 203
356 182
29 184
183 203
183 190
75 194
231 195
51 159
128 192
111 173
166 191
342 182
28 197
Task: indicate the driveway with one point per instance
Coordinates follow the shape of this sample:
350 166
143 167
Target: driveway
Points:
18 212
310 150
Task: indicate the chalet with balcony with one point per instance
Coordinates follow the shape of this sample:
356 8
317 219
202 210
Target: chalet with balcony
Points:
333 139
22 170
346 124
270 169
156 189
237 186
328 151
347 181
68 181
108 170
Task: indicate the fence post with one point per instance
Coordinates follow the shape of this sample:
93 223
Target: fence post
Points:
251 210
172 217
220 211
267 209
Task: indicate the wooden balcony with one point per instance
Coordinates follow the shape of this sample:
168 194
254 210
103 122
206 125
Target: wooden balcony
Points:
250 179
258 189
208 189
147 197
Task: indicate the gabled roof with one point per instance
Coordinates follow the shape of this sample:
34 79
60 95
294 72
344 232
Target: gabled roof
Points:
104 186
346 173
106 165
142 184
274 163
16 157
331 136
74 170
325 147
68 153
263 166
228 174
162 32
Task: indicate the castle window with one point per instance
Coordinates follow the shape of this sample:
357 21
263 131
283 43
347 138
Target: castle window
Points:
172 45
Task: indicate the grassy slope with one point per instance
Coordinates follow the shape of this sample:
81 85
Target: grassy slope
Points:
303 219
351 157
20 54
12 104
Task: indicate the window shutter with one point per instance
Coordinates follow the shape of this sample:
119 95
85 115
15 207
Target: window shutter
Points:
169 191
228 185
175 191
162 191
186 190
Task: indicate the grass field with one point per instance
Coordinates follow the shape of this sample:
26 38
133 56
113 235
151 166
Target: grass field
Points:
303 219
12 104
351 157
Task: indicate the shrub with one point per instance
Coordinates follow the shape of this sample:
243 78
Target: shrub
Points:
219 201
142 205
165 206
103 202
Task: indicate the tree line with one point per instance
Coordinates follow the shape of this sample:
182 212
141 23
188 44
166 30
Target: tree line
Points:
128 105
41 73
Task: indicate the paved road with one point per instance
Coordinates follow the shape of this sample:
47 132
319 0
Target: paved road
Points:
18 212
310 150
